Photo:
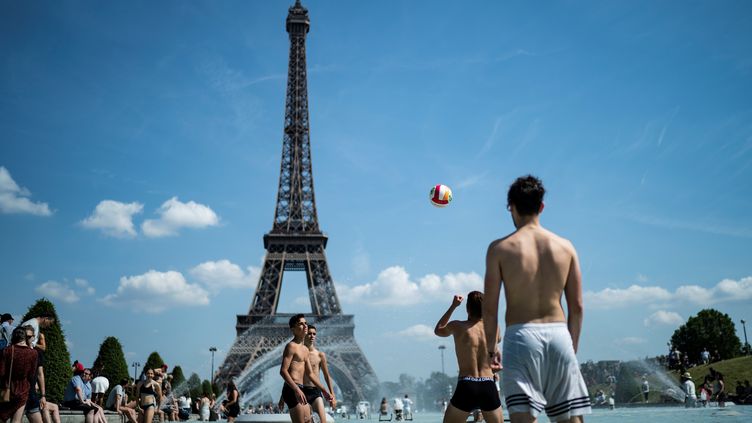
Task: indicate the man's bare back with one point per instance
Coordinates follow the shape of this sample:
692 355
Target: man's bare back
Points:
475 388
535 267
469 342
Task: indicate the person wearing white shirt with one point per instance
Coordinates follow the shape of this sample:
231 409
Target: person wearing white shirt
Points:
690 400
42 321
99 386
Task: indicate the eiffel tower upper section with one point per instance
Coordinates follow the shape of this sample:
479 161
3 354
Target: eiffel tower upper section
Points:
295 241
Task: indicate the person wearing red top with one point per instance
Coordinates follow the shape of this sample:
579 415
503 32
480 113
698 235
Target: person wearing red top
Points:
21 372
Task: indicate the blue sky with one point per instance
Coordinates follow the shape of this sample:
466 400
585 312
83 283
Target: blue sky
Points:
141 145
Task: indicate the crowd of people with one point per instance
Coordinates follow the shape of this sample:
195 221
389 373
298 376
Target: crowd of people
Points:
22 349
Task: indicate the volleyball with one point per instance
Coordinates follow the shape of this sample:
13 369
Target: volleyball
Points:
441 195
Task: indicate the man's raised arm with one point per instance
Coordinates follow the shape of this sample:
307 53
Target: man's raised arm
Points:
491 291
443 327
573 294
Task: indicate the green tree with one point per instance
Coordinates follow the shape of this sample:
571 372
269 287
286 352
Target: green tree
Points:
627 384
194 385
407 383
710 329
110 361
438 387
154 361
206 388
57 362
178 378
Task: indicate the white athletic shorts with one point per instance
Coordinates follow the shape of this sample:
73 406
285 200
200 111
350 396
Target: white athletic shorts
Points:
541 372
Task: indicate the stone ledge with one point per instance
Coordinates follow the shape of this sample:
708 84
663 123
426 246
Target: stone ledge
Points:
75 416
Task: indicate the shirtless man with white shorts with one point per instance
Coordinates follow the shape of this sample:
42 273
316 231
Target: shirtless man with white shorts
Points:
476 388
296 366
536 266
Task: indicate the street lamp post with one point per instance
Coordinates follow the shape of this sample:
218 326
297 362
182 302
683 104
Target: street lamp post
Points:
135 365
442 348
212 350
746 344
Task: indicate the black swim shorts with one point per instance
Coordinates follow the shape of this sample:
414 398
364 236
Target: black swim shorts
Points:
288 395
474 393
311 393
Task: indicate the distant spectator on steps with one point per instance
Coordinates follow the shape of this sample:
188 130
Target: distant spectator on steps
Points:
42 321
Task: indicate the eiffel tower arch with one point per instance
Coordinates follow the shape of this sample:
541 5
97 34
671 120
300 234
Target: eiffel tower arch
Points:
295 243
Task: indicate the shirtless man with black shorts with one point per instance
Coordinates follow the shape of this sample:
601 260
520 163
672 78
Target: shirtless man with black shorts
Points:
296 366
536 266
318 363
476 388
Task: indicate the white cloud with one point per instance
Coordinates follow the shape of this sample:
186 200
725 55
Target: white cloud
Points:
84 284
416 332
58 291
175 214
662 317
630 340
635 294
13 199
725 290
64 291
217 275
114 218
394 287
155 292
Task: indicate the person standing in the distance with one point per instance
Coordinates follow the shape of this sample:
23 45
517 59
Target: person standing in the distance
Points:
536 266
475 388
295 366
233 402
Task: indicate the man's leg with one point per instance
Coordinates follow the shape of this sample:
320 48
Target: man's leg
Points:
35 417
301 413
522 418
130 414
455 415
493 416
18 415
318 407
51 413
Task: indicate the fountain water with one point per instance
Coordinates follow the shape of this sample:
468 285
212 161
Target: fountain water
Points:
668 385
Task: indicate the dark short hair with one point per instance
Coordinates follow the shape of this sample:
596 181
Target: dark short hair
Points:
6 318
124 381
311 327
19 334
526 195
294 319
474 304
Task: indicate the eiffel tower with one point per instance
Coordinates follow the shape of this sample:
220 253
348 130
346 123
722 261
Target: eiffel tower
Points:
295 243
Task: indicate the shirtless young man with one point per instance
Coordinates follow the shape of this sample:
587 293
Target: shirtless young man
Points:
536 266
475 388
318 362
296 365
